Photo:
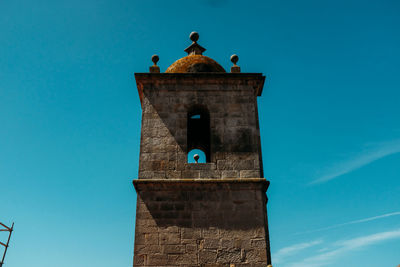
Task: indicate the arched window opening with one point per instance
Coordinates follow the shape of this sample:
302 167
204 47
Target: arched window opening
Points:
201 156
198 133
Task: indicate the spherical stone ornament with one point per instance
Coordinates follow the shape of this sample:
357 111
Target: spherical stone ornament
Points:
234 59
194 36
155 59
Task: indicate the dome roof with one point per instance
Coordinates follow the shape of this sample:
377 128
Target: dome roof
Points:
195 63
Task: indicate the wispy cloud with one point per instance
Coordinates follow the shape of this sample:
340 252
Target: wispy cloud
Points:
327 255
353 222
371 154
283 253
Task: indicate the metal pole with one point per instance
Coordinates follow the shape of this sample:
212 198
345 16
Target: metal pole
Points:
8 241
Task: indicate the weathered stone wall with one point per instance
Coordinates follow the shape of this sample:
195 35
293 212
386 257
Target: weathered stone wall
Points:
235 139
201 223
207 214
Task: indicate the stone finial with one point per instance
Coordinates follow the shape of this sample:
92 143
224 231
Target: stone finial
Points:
196 158
235 68
155 68
155 59
194 48
194 36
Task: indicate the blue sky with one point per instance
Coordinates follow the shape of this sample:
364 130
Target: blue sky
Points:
329 114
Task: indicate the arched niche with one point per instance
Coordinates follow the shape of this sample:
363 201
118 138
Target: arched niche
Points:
198 130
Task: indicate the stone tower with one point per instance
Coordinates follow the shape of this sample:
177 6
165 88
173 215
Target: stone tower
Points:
200 214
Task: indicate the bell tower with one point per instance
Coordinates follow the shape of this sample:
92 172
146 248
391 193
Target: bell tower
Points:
191 213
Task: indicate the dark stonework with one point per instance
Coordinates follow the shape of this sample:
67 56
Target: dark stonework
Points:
205 214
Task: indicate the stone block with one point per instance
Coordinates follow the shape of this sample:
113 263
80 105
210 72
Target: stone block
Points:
258 243
235 165
207 256
211 243
229 256
173 249
151 174
147 228
191 249
243 243
157 260
143 215
200 166
210 174
191 233
170 238
146 238
211 232
233 233
190 174
229 174
173 174
139 260
145 223
189 241
256 255
182 259
147 249
169 229
250 174
227 243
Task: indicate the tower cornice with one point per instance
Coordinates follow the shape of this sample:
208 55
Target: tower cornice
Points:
192 81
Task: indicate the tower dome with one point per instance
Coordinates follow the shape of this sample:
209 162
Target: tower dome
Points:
195 61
